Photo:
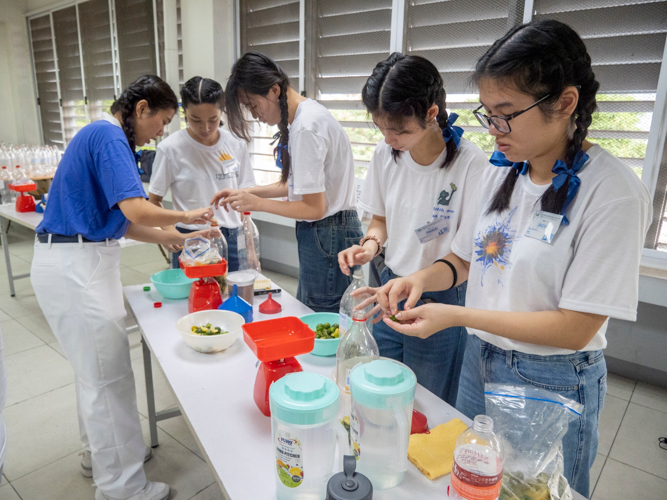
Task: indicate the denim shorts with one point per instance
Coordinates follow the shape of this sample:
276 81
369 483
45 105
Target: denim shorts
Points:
231 235
436 360
321 283
581 376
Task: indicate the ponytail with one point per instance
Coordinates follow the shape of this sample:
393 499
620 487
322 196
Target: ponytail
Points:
155 91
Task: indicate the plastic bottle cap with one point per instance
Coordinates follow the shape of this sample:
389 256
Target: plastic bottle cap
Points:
147 289
270 306
157 305
246 213
305 388
384 373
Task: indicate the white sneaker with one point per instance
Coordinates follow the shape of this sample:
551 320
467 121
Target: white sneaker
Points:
152 491
87 466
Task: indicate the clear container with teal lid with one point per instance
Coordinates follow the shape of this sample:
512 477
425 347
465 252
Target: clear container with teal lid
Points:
383 393
304 430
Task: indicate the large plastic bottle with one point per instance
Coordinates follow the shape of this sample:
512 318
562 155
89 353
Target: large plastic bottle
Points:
248 245
6 197
477 472
357 347
348 303
220 243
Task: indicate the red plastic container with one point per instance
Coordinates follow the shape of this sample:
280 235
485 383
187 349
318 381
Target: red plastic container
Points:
204 294
24 202
204 271
275 342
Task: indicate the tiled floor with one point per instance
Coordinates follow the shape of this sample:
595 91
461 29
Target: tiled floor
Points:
42 460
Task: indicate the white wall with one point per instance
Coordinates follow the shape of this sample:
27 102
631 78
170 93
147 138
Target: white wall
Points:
19 122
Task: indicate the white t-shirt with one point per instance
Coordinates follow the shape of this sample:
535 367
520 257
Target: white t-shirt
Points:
410 195
322 160
195 172
591 266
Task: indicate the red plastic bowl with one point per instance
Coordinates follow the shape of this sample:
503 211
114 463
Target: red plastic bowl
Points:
278 338
208 271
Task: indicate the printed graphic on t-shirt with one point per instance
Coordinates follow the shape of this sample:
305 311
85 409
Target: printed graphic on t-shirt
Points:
446 197
227 173
494 246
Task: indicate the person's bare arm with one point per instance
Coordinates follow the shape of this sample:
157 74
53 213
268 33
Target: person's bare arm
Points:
140 211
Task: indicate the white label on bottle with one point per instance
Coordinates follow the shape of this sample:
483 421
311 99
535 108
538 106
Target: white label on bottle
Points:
342 324
355 431
289 459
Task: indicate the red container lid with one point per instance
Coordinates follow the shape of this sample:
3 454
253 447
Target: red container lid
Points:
278 338
207 271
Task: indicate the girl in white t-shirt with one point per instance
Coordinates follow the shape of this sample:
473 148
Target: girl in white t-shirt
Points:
420 178
540 291
197 162
315 156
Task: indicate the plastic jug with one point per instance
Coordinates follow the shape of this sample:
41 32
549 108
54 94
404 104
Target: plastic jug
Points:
383 393
304 429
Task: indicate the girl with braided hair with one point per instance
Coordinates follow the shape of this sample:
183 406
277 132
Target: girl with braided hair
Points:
95 199
551 250
419 182
201 160
317 178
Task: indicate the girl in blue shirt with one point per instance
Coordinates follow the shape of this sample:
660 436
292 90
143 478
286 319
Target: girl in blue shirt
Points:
95 199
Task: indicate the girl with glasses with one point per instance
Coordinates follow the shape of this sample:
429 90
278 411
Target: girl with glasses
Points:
421 178
551 250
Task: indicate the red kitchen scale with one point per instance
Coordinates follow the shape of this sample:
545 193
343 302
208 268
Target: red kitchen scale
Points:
275 342
24 202
204 293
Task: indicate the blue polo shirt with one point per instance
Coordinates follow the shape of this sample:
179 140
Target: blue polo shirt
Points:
96 172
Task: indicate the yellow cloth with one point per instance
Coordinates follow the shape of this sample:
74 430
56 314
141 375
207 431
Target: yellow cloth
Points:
433 454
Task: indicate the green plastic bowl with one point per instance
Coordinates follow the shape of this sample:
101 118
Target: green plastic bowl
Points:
172 284
323 347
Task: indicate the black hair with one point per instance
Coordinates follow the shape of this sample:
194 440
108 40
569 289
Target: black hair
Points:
255 73
198 90
404 87
155 91
539 59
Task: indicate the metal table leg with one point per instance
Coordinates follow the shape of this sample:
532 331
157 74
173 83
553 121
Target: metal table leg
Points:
5 247
150 394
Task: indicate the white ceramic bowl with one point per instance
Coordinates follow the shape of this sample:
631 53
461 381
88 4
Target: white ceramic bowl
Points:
226 320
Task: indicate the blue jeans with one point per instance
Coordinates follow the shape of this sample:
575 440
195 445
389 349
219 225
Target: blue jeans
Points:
321 284
581 376
436 360
231 235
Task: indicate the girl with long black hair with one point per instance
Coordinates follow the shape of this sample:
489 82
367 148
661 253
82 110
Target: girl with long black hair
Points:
96 198
419 182
315 156
201 160
553 247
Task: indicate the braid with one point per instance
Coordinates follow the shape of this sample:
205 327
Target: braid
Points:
126 108
503 195
443 116
284 132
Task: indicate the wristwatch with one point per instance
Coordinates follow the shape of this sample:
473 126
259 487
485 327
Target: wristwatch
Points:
375 239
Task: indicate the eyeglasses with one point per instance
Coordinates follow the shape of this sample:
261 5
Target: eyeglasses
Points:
501 123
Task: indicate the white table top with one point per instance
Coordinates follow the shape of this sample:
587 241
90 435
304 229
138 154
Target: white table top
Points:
32 219
214 392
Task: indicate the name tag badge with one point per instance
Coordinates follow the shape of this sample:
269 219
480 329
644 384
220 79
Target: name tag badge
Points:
230 166
544 226
432 230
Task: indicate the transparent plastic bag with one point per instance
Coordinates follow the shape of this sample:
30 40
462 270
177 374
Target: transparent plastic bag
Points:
199 252
531 423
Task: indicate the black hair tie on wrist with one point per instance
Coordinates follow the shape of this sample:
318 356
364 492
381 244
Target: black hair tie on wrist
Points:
451 266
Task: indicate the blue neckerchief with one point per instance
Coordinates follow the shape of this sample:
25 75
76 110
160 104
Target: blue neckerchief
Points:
499 160
137 159
278 151
563 174
451 132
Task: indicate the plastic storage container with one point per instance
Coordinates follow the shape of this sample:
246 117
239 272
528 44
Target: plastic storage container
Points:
477 472
304 429
245 282
383 393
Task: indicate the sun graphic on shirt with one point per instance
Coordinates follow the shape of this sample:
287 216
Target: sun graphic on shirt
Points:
224 156
494 246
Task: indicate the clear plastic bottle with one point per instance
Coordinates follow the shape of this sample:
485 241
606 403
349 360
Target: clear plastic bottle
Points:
6 197
357 347
248 245
220 243
477 472
348 303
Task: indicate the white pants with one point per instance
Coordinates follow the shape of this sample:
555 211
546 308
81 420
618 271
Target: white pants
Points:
79 290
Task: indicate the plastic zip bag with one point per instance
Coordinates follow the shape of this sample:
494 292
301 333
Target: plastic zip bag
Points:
199 252
531 423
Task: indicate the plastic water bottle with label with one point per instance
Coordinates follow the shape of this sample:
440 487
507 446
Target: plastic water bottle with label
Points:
347 303
248 245
477 472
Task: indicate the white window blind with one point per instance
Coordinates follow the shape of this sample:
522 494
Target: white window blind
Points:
44 60
136 39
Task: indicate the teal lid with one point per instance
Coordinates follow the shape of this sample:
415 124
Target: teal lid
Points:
381 383
304 398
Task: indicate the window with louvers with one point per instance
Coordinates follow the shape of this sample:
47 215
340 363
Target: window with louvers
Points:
136 39
626 41
272 28
46 79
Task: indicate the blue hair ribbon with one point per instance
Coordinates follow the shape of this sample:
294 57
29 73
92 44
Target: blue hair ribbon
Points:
451 132
278 151
500 160
564 174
